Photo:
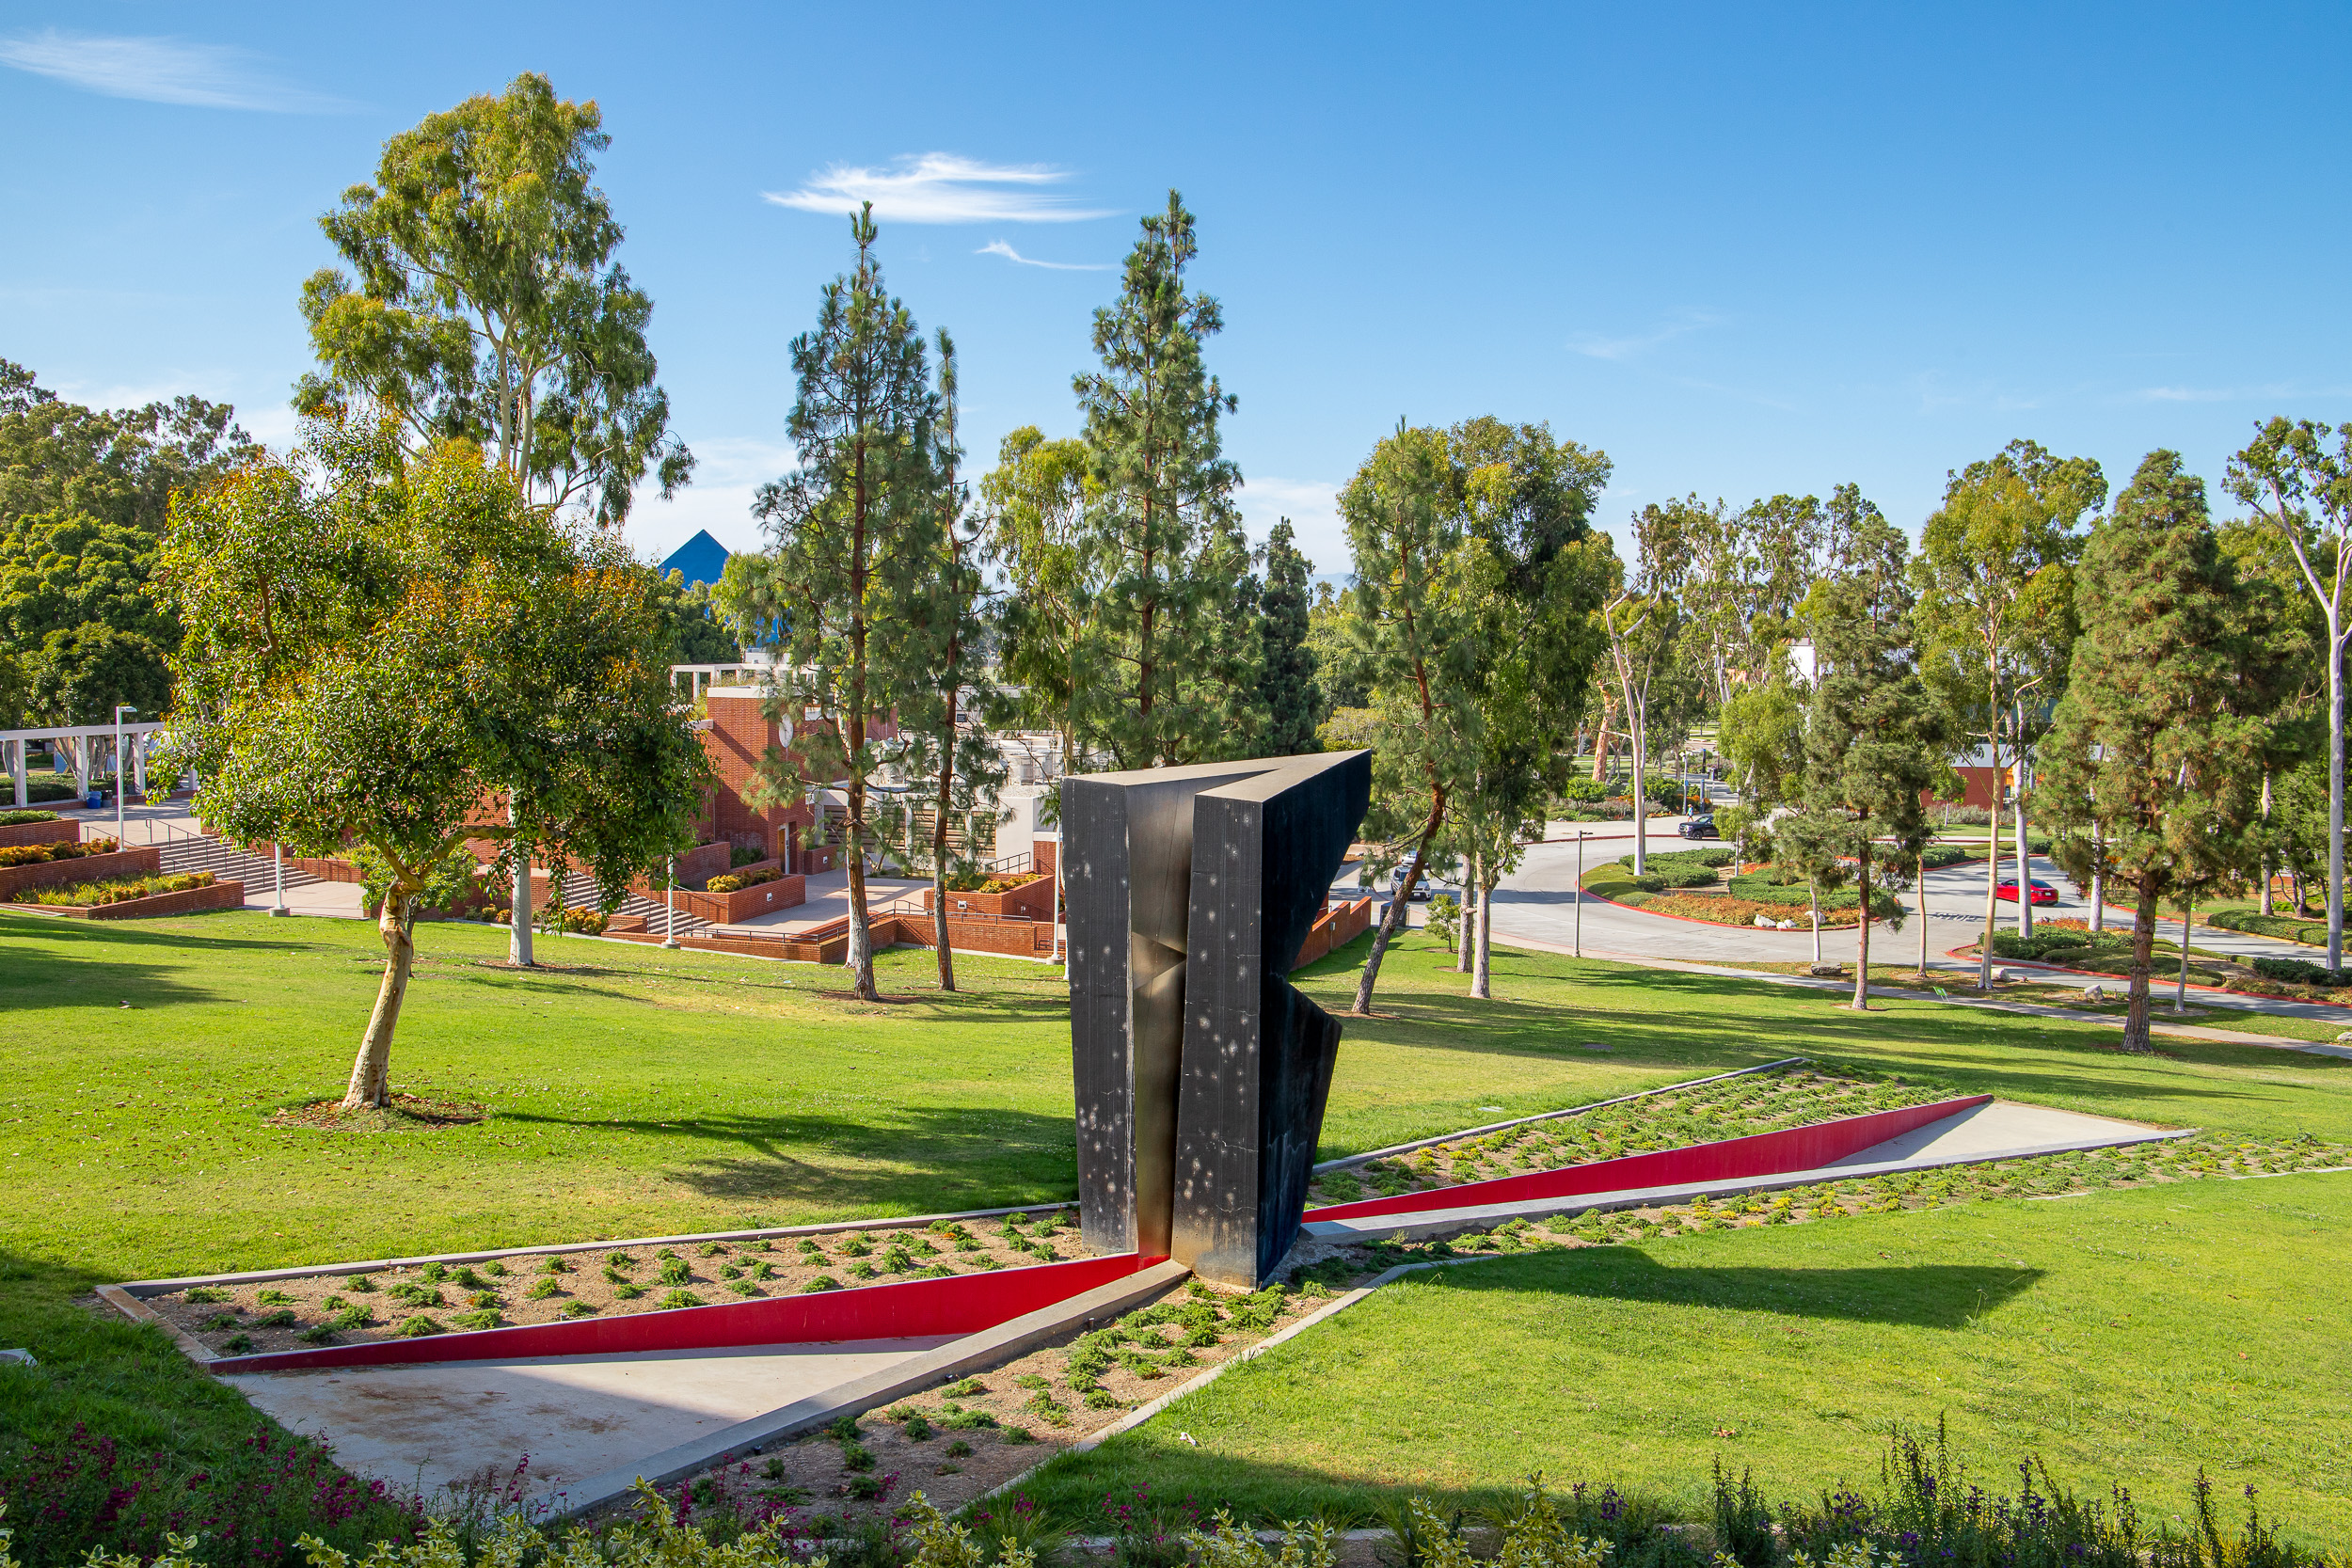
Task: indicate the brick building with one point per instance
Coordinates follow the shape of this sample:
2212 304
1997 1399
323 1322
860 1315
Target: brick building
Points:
734 735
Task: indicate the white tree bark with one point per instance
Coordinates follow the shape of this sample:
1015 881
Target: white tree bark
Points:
371 1073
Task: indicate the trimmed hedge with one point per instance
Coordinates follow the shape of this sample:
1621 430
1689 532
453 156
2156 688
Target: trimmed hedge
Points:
21 819
2284 927
2295 972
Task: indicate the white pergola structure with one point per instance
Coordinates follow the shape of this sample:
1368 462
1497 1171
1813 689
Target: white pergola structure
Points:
83 744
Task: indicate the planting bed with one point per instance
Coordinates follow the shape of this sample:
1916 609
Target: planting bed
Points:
959 1441
537 1288
1705 1113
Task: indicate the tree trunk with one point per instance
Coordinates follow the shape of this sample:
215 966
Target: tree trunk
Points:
2098 879
1394 919
371 1073
1923 919
1482 974
1862 930
860 959
2143 950
1635 724
519 936
1462 918
939 854
2025 864
1992 880
1813 892
2335 797
2188 920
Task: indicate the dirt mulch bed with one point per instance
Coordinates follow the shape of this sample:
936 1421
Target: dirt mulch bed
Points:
407 1112
965 1438
436 1298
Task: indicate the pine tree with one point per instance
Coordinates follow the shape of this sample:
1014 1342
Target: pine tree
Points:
1293 696
1184 651
1872 740
2154 741
854 533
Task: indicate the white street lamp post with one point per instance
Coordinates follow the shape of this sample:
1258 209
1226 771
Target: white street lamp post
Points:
121 708
672 902
1580 838
279 855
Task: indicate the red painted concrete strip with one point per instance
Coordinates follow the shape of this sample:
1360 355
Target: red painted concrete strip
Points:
910 1308
1760 1154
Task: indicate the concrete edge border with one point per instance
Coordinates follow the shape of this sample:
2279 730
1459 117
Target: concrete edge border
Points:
123 1301
973 1353
1143 1413
1447 1222
1552 1115
134 1287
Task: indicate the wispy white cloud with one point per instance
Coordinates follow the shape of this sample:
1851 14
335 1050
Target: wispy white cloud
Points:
2213 394
161 71
1595 346
941 187
998 248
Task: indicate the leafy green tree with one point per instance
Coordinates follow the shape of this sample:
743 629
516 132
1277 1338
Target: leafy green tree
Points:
1403 524
1760 730
1035 498
949 695
1873 744
1292 698
1524 583
2293 478
84 498
1343 655
378 647
2154 745
487 303
1996 619
854 534
1641 623
1179 681
689 616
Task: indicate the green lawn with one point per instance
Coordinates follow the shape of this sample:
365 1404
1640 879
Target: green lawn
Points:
2127 1337
632 1091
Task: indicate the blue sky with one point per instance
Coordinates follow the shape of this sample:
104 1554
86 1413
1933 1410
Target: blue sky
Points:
1741 249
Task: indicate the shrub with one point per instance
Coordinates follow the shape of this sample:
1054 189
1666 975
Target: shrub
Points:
2296 972
19 818
43 854
580 922
89 1494
114 890
741 855
736 884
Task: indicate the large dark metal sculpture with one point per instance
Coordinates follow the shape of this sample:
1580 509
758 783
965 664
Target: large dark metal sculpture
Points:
1202 1072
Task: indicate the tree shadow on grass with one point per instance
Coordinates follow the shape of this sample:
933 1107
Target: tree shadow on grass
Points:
84 966
1923 1295
1698 1030
909 1160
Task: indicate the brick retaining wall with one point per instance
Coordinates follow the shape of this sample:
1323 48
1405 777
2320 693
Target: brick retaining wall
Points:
193 901
140 860
66 829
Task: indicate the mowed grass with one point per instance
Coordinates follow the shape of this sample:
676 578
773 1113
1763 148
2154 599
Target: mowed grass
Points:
2125 1338
631 1092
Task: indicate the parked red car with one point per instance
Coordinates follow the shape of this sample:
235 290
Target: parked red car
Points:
2043 891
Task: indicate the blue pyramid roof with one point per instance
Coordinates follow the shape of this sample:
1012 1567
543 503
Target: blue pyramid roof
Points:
701 559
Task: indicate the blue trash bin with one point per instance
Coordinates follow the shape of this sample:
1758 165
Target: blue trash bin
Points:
96 800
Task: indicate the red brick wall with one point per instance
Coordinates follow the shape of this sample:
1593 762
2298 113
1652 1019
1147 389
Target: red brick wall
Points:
66 829
140 861
739 735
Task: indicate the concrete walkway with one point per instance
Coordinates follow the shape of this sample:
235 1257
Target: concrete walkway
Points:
439 1425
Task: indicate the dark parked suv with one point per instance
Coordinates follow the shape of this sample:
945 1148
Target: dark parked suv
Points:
1701 826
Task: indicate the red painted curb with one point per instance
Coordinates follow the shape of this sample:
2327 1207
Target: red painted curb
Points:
1758 1154
908 1310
